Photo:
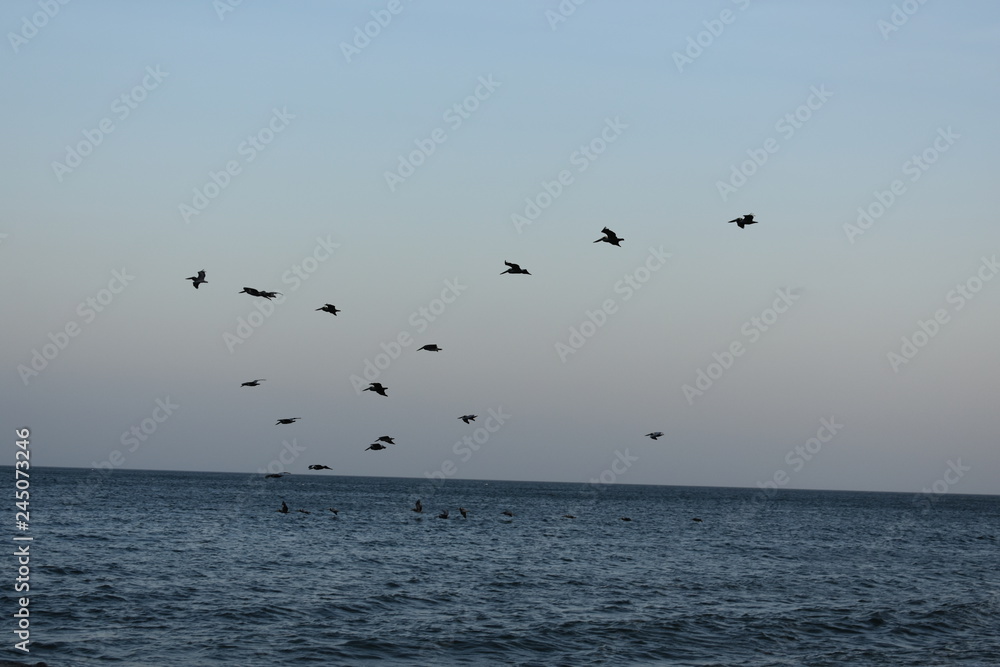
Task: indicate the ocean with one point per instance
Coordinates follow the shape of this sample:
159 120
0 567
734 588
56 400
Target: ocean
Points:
178 568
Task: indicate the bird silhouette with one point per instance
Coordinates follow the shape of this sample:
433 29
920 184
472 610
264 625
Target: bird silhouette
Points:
568 516
336 512
375 446
745 220
275 475
385 438
610 237
330 308
507 513
284 508
443 514
468 418
418 507
377 388
319 466
625 518
198 279
654 435
696 519
253 383
256 292
290 420
514 268
465 512
430 348
304 511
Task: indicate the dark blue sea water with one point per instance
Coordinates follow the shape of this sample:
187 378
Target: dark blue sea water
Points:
168 568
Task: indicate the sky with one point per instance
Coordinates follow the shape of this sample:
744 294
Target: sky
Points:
388 157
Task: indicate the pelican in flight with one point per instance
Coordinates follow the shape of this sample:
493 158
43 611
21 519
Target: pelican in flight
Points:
610 237
468 418
378 388
654 435
290 420
514 268
330 308
198 279
747 219
430 348
375 446
319 466
418 507
256 292
386 438
253 383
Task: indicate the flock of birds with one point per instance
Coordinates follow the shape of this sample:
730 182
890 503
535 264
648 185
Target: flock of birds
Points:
609 237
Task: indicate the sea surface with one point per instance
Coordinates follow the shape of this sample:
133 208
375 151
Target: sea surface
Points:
175 568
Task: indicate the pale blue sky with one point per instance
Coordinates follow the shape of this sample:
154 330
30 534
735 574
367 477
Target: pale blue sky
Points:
890 96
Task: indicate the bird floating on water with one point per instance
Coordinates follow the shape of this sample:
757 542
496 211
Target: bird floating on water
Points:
742 221
198 279
625 518
418 507
304 511
568 516
468 418
330 308
514 268
284 507
375 446
465 512
253 383
336 512
378 388
654 435
507 513
290 420
610 237
696 519
443 514
319 466
275 475
430 348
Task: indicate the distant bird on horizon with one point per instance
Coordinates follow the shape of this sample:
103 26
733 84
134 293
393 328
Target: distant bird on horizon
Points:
430 348
198 279
377 388
514 268
468 418
742 221
625 518
319 466
375 446
418 507
253 383
290 420
385 438
275 475
654 435
330 308
284 508
568 516
443 514
610 237
465 512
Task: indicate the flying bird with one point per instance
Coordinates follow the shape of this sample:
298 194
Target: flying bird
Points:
385 438
198 279
330 308
465 512
253 383
319 466
747 219
654 435
291 420
468 418
514 268
284 508
610 237
256 292
377 388
376 446
418 507
430 348
336 512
